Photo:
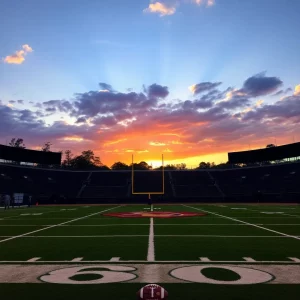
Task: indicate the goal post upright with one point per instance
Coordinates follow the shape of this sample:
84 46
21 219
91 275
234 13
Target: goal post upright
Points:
147 192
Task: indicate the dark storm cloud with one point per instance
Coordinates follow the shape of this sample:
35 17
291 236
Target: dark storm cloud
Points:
260 85
203 87
157 91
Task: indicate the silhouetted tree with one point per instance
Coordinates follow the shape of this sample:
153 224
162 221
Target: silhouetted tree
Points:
204 165
17 143
46 147
270 146
119 166
68 158
181 166
141 166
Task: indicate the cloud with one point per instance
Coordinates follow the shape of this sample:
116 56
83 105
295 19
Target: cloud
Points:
207 2
19 56
260 85
92 103
283 92
158 91
157 144
27 48
12 101
203 87
60 105
20 101
105 87
286 109
168 7
297 90
228 118
81 120
161 9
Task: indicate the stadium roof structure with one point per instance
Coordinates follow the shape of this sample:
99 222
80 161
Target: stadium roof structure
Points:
266 154
30 156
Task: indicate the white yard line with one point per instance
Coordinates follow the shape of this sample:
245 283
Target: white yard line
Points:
34 259
150 245
250 224
292 262
151 251
52 226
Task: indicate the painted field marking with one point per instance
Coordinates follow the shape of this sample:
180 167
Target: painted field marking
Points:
121 225
24 214
37 214
52 226
77 259
296 216
249 259
151 251
250 224
236 208
295 259
33 259
145 235
204 259
114 259
289 262
271 212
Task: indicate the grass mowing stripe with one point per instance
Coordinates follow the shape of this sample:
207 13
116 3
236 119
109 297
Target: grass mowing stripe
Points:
250 224
52 226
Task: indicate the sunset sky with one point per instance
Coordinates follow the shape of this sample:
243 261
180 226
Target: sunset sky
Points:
190 79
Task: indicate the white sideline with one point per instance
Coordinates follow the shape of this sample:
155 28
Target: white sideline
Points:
52 226
250 224
151 253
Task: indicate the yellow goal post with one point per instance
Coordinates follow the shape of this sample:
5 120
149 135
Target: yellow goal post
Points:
149 193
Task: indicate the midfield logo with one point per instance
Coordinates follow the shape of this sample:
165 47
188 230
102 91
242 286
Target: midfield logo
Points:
154 214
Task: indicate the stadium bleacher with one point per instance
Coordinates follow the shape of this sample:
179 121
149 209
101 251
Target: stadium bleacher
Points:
276 182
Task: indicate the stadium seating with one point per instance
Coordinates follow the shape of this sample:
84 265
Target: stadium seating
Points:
107 184
194 184
275 182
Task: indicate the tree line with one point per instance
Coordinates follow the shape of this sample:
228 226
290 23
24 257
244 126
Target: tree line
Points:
88 160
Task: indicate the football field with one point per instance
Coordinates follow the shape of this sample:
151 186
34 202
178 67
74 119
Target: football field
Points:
194 251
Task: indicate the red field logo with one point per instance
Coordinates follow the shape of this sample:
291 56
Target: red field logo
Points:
154 214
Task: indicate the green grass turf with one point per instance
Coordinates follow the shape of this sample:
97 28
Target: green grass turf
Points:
125 291
135 248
